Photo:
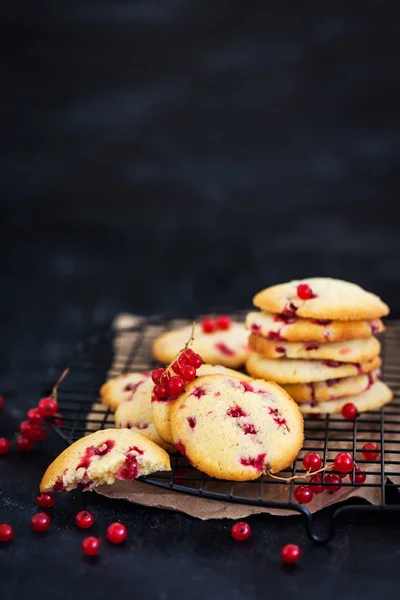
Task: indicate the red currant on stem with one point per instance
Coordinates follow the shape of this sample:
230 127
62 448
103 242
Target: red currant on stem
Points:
312 461
176 386
40 522
116 533
156 374
188 373
336 482
48 407
209 325
303 494
45 500
160 391
290 554
24 444
349 411
304 291
370 451
343 462
36 433
33 415
196 361
318 488
224 322
240 531
4 446
359 476
6 532
84 519
91 546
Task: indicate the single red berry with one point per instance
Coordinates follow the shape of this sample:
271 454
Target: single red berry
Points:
33 415
359 476
209 325
240 531
1 402
290 554
84 519
26 429
370 451
196 361
6 532
319 487
164 379
188 373
23 443
333 479
303 494
176 367
91 546
37 434
176 386
343 462
116 533
349 411
224 322
45 500
59 421
48 407
188 353
160 391
156 374
40 522
4 446
312 461
304 291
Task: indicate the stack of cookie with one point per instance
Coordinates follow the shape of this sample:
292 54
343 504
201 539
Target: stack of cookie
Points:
315 337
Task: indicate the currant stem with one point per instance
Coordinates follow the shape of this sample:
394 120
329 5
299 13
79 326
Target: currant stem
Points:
190 340
58 383
308 474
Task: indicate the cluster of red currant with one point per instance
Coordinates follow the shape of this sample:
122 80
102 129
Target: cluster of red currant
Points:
210 325
168 387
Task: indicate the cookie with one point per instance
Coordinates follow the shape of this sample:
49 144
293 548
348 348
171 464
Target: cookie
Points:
236 430
118 389
349 351
228 348
332 389
103 457
161 408
372 399
293 329
321 298
288 370
136 414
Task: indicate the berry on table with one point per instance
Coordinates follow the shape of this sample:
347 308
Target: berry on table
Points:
312 461
349 411
188 373
304 291
336 482
176 386
303 494
208 325
91 546
40 522
156 374
34 416
318 488
4 446
23 443
84 519
6 532
290 554
359 476
116 533
370 451
45 500
343 462
224 322
48 407
240 531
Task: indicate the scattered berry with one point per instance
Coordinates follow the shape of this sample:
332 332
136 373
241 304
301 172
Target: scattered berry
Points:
333 479
344 462
290 554
209 325
304 291
4 446
33 415
156 374
176 386
312 461
303 494
116 533
188 373
45 500
359 476
23 444
370 451
196 361
91 546
224 322
48 407
6 532
1 402
319 487
240 531
84 519
349 411
160 391
40 522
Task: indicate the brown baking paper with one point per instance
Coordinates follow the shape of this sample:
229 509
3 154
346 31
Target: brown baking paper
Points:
203 508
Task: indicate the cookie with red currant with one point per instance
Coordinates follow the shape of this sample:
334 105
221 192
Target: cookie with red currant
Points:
377 395
118 389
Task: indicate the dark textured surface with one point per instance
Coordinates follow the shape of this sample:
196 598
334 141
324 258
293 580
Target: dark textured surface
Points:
171 157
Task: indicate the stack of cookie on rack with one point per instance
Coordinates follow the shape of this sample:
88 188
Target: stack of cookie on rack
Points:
316 338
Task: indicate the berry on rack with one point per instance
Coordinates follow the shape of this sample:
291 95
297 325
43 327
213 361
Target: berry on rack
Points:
45 500
335 481
91 546
370 451
6 532
116 533
209 325
48 407
84 519
40 522
240 531
318 488
359 476
349 411
303 494
4 446
290 554
312 461
224 322
23 443
343 462
34 416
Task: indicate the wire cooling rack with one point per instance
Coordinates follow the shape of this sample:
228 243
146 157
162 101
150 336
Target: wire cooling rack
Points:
115 351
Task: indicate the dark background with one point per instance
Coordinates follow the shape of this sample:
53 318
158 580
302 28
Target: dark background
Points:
172 157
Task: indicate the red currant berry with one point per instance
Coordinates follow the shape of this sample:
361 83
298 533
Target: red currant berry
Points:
319 487
160 391
26 429
312 461
6 532
176 386
156 374
84 519
48 407
188 353
333 479
188 373
116 533
196 361
359 476
1 402
224 322
34 416
58 421
37 434
240 531
290 554
349 411
91 546
370 451
303 494
23 444
4 446
304 291
176 367
45 500
209 325
343 462
40 522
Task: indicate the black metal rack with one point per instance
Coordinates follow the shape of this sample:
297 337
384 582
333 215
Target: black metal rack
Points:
115 351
